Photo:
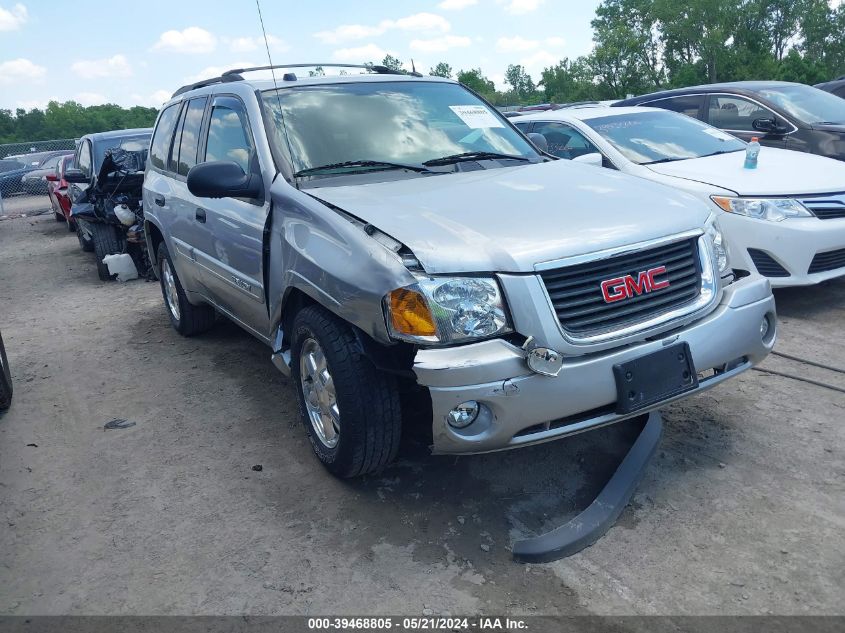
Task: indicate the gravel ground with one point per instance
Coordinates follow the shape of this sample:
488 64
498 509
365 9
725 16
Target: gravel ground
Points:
741 512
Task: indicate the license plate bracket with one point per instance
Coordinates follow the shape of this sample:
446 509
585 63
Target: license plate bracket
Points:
647 380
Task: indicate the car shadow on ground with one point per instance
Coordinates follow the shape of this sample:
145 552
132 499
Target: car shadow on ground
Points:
810 301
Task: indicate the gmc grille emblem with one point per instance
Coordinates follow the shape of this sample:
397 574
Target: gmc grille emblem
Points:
629 286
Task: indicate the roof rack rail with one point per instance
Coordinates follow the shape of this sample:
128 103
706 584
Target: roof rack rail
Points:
236 74
381 70
225 78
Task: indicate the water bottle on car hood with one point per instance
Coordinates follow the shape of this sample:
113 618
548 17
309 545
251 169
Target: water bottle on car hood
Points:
751 153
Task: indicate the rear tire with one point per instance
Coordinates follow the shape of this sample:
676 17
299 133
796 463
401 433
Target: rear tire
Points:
353 416
186 318
5 379
107 241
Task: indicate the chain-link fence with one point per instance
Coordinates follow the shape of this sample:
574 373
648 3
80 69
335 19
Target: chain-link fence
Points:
24 188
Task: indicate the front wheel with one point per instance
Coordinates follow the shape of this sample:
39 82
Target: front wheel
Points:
186 318
107 241
350 410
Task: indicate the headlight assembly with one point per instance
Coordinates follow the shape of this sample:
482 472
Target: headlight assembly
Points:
771 209
720 249
447 310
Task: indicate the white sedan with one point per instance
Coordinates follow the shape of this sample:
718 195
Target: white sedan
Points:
785 219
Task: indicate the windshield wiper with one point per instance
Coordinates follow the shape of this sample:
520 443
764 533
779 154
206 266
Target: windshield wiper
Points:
662 160
370 165
721 151
470 156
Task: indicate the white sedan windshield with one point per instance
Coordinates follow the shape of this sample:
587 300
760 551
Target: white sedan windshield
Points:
661 137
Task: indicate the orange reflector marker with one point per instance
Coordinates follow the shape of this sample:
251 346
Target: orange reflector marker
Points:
724 203
409 313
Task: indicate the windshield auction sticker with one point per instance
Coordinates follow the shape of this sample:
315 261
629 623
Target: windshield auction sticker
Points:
476 116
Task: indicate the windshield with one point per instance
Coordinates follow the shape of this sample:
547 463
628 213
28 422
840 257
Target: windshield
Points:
651 137
401 122
807 104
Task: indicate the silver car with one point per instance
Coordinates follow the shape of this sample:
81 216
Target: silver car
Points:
403 249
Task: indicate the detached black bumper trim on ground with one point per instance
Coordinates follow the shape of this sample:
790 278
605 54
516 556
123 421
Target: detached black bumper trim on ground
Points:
591 524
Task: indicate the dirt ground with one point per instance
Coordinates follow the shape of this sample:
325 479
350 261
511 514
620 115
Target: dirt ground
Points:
741 512
19 205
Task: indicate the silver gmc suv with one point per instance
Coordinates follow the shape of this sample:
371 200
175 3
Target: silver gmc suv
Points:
406 252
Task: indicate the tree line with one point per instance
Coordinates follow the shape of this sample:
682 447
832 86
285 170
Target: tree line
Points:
69 120
639 46
647 45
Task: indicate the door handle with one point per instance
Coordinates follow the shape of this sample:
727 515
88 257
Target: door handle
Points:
159 200
200 215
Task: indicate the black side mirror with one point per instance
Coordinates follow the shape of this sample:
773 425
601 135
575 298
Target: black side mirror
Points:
768 126
77 176
539 141
223 179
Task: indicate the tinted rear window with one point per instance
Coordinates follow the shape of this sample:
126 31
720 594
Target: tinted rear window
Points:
190 135
160 146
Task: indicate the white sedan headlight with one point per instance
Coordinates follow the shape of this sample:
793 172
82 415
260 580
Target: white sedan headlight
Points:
772 209
447 310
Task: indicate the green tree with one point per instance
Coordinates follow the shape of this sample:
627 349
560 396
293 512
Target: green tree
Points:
570 80
391 62
628 56
474 79
441 70
522 86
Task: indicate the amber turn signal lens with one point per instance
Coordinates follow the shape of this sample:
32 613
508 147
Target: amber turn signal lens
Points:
409 313
724 203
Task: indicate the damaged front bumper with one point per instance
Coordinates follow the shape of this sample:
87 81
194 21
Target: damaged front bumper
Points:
519 407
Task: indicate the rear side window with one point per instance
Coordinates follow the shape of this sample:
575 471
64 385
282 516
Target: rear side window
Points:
523 126
229 137
686 104
189 143
160 146
736 113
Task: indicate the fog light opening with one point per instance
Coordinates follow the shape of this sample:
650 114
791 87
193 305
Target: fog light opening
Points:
464 414
767 328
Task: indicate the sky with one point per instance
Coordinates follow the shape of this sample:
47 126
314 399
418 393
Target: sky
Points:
138 53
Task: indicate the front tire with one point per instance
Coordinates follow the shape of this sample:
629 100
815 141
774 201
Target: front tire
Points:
107 241
186 318
351 411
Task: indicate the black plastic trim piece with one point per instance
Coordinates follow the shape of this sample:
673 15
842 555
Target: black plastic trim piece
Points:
591 524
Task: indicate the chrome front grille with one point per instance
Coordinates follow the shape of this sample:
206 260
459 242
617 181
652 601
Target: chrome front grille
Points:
583 310
827 206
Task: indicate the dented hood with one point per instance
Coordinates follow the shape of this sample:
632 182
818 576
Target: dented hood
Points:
511 218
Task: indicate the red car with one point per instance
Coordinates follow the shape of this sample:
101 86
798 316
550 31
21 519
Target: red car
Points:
57 190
